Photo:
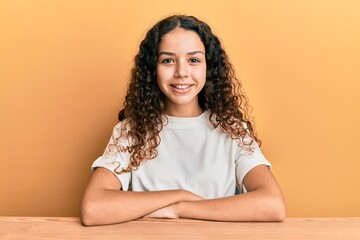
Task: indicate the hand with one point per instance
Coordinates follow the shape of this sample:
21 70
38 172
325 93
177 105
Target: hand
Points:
172 211
165 212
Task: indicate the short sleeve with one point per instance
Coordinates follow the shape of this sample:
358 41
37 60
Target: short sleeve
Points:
115 158
247 160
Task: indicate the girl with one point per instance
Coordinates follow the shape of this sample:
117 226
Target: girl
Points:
185 141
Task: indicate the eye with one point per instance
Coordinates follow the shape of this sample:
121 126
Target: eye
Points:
167 60
194 60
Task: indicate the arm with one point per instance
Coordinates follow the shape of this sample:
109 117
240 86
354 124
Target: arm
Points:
104 203
263 202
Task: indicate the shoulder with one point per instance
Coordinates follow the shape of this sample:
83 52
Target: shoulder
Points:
122 127
236 128
120 138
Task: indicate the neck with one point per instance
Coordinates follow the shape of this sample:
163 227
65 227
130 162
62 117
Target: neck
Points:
183 112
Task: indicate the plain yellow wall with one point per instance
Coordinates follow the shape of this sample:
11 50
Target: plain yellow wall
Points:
64 67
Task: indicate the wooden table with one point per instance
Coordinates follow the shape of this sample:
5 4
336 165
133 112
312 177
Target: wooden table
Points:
70 228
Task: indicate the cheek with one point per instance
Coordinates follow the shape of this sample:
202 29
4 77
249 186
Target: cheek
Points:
164 73
200 74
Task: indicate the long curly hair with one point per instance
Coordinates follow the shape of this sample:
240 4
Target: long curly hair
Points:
222 95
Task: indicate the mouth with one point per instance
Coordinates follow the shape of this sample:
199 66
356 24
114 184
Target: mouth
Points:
181 86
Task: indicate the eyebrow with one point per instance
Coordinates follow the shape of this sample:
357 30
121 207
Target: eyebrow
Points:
172 54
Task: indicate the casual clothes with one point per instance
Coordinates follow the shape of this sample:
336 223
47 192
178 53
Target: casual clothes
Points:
192 155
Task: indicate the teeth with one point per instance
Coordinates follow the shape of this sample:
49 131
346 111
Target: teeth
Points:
180 86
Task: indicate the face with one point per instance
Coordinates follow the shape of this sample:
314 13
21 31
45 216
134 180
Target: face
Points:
181 71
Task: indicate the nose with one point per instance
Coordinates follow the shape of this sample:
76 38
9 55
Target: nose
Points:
181 70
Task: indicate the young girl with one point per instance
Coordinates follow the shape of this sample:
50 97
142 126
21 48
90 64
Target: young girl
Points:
185 141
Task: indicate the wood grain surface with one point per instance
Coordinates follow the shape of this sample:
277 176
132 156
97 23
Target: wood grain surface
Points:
70 228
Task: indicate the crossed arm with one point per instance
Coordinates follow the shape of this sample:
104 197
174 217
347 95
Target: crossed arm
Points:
103 202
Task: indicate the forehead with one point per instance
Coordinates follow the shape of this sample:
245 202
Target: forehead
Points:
181 40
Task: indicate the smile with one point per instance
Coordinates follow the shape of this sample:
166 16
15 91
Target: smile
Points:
181 86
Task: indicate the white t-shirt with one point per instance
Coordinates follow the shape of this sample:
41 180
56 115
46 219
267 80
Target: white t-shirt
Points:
192 155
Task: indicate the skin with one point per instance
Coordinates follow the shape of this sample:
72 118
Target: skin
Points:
181 71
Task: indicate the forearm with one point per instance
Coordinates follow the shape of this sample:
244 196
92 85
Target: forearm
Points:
114 206
251 206
263 202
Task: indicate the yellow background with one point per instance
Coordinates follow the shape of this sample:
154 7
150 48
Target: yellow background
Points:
64 67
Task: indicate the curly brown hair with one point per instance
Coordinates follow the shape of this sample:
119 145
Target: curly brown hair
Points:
142 115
